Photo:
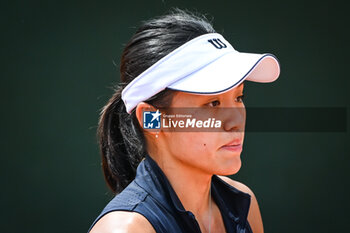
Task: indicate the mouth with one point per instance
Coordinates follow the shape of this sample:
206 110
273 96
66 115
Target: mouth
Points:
235 145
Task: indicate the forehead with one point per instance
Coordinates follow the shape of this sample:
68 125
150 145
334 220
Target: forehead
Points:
186 97
233 90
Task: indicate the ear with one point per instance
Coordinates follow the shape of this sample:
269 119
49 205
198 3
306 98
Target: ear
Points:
140 108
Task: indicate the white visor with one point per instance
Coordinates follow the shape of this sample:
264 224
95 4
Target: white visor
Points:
207 65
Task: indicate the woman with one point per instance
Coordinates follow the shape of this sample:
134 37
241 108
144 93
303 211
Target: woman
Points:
169 181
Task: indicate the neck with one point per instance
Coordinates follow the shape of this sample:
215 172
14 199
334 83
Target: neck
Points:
191 185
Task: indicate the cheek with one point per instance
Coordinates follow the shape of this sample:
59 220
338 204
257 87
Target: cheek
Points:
201 150
189 146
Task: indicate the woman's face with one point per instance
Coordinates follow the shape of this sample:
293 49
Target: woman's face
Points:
210 152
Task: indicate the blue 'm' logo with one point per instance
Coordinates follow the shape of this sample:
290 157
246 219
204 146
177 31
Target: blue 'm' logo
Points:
151 120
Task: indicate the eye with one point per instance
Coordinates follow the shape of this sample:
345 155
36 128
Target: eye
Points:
214 103
239 99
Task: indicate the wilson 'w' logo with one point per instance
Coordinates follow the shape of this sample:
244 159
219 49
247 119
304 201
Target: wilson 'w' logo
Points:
217 43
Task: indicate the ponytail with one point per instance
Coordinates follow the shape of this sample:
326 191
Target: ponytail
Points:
121 143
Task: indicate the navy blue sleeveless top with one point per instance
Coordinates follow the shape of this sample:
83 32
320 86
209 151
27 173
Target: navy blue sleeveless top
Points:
151 195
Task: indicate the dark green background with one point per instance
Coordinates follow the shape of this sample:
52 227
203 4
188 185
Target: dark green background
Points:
57 64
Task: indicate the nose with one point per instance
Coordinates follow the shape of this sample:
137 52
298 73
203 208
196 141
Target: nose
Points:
234 119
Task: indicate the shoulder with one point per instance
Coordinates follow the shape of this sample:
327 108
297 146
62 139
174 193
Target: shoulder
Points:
254 215
122 222
238 185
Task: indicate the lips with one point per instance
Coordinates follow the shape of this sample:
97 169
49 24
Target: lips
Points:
235 145
235 142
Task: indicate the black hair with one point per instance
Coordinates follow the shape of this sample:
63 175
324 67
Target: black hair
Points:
120 137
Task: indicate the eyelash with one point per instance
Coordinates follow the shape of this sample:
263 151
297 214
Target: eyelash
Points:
215 101
239 98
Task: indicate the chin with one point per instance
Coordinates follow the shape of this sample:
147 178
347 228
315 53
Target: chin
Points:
230 168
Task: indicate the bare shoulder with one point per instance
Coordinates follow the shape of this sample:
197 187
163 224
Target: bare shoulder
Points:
122 222
254 215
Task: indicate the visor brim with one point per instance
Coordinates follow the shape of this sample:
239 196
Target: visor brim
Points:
228 72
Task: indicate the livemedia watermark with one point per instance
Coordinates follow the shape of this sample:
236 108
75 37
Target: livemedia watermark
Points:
268 119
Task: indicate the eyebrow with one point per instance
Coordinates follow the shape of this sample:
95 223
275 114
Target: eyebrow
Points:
213 96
